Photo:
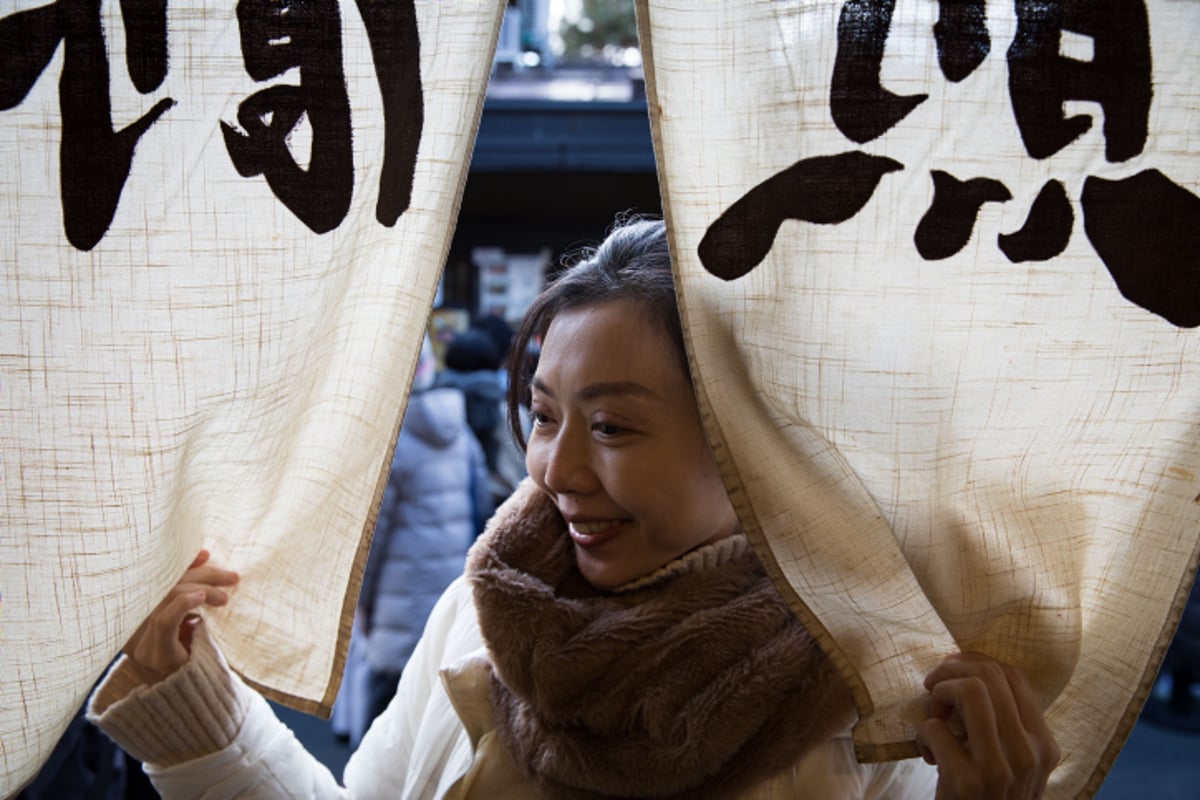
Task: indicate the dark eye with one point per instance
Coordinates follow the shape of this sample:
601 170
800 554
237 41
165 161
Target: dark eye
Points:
605 429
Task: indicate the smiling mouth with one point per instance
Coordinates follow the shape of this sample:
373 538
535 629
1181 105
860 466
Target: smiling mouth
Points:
594 534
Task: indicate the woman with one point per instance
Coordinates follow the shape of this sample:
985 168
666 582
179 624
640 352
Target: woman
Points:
614 633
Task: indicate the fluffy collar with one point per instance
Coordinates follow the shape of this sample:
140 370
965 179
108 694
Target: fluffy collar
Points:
698 683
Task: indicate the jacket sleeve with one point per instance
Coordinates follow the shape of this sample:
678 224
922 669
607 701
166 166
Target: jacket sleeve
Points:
831 770
201 732
421 729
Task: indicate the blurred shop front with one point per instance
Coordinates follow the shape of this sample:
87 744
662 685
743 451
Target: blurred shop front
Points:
563 147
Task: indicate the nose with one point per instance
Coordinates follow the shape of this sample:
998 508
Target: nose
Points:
565 463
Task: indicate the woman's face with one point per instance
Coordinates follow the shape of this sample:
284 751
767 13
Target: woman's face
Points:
618 447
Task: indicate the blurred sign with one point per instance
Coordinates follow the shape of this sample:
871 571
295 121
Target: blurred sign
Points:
509 282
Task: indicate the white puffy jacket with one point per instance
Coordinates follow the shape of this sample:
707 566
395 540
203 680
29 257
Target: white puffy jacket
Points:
204 734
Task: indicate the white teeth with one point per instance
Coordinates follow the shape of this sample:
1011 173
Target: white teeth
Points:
588 528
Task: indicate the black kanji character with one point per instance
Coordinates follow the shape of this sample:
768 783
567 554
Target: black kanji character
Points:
1047 228
396 47
962 37
1117 77
946 227
277 36
861 108
825 189
1146 230
95 160
146 42
1143 228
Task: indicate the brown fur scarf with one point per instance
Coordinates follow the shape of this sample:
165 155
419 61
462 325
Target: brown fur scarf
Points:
697 686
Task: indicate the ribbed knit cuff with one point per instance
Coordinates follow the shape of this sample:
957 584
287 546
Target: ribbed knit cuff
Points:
708 556
195 711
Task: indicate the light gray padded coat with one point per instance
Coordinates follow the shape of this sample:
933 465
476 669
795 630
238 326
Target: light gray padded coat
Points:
425 524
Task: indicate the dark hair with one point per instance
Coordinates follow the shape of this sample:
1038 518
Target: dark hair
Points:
632 263
499 331
472 350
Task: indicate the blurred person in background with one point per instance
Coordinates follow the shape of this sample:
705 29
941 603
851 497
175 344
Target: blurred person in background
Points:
426 523
501 334
507 469
472 362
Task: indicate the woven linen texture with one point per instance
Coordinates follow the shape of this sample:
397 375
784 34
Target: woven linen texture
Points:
938 271
222 230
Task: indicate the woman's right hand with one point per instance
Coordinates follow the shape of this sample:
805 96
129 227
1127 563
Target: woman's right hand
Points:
1008 749
163 642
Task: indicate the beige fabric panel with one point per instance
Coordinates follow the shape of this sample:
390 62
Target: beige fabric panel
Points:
936 446
208 369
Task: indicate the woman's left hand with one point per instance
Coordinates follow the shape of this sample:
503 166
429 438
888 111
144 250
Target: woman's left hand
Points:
1008 750
163 642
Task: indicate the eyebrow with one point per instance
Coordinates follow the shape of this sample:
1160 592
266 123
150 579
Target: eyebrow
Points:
596 390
